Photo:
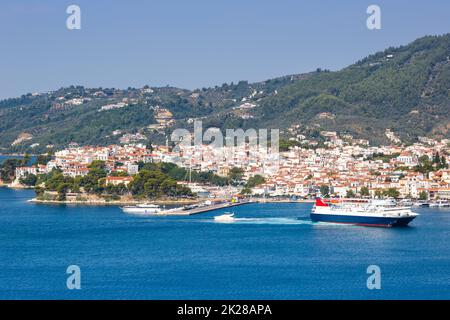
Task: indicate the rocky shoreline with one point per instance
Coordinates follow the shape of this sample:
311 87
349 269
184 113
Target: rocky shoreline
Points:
14 185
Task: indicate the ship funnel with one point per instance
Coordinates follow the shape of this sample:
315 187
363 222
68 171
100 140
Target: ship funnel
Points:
320 203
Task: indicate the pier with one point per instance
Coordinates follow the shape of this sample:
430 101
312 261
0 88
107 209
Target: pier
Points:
202 209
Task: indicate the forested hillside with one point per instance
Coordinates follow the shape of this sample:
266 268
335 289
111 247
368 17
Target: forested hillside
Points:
404 89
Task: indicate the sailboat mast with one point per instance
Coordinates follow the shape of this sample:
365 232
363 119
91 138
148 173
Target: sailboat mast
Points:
190 170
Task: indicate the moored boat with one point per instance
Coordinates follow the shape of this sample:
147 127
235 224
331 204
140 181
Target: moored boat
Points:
443 203
142 209
375 213
421 203
406 202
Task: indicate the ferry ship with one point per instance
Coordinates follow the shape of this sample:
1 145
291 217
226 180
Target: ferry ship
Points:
371 213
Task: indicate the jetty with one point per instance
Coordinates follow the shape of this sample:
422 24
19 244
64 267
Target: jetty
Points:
201 209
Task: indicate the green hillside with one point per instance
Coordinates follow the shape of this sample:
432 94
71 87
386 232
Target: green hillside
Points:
405 89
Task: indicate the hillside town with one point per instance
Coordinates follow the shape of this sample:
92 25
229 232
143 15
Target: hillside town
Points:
341 168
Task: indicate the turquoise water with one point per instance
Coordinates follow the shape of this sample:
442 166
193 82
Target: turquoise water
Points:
266 254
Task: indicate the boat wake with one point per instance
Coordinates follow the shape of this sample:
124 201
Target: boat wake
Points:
278 221
285 221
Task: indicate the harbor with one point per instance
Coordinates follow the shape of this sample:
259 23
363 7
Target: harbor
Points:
183 211
208 208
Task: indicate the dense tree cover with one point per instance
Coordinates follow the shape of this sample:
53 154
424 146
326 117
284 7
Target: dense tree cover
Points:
255 180
383 157
391 193
235 176
149 145
364 191
426 165
246 191
252 182
149 182
387 193
153 180
324 191
423 195
8 168
286 145
44 158
92 182
56 181
350 194
154 183
181 174
29 180
440 162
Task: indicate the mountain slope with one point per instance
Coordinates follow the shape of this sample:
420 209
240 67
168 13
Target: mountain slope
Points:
406 89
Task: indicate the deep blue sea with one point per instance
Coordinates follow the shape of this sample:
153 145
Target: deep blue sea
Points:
268 253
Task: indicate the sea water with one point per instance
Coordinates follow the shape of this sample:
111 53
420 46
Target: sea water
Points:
271 251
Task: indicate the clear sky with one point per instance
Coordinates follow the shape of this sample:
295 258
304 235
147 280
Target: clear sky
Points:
196 43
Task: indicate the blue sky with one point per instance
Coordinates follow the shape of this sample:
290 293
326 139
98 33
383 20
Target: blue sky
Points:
196 43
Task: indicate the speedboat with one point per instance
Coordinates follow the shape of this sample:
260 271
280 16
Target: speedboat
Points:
142 209
376 213
227 217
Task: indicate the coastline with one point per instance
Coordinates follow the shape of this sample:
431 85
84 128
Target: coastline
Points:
98 202
126 202
17 154
14 186
287 201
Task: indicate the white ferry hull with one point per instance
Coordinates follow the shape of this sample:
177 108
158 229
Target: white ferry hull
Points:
372 216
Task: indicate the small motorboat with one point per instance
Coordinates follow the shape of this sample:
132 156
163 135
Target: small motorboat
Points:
227 217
